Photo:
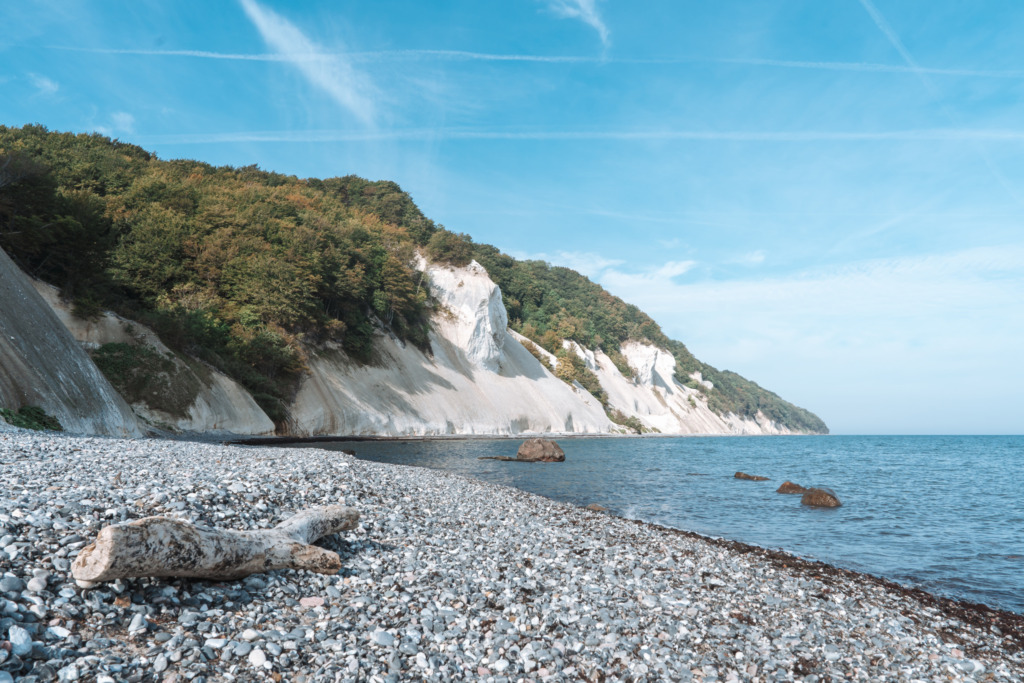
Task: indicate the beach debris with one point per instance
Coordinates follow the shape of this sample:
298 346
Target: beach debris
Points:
749 477
820 497
790 487
162 546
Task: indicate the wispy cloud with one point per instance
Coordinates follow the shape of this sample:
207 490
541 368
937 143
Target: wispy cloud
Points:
44 85
926 81
751 258
123 122
371 56
662 276
585 11
889 33
434 134
120 122
331 73
870 67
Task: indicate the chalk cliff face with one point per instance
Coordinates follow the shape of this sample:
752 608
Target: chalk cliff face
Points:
41 364
661 403
478 379
214 403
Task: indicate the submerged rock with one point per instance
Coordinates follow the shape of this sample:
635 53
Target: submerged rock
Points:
749 477
597 508
540 450
820 497
790 487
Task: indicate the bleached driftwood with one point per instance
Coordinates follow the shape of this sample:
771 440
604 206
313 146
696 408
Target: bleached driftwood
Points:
161 546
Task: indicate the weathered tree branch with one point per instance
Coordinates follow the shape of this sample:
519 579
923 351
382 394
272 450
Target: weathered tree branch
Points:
161 546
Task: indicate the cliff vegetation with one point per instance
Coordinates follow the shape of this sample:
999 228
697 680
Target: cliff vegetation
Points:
245 268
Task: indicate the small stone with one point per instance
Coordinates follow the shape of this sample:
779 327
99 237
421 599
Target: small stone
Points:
138 623
311 602
383 638
36 585
216 643
58 632
257 658
21 641
11 584
160 664
251 634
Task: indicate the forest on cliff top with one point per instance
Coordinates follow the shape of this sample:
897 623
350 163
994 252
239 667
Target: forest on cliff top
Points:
245 268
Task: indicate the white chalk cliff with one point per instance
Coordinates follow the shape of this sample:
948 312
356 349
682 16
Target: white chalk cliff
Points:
477 378
480 379
41 364
219 404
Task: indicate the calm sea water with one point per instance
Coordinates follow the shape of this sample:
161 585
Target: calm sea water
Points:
942 513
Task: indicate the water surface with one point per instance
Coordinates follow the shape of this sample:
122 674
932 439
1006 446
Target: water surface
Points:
941 513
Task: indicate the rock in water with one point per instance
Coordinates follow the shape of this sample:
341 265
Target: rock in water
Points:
749 477
790 487
540 450
597 508
820 497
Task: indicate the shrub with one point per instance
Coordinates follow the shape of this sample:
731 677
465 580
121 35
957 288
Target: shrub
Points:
31 417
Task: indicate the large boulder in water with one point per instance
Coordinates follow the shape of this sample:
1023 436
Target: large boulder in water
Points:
790 487
540 450
749 477
820 498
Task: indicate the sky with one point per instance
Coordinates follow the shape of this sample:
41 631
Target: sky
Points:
825 197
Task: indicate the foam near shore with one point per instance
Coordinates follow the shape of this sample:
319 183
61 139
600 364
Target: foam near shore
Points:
445 579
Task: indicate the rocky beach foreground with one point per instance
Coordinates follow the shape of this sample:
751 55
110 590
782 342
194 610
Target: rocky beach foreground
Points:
444 579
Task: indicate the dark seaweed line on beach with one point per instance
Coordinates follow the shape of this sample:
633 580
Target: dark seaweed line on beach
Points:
976 614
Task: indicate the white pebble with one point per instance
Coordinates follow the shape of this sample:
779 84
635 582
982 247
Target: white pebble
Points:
257 658
21 641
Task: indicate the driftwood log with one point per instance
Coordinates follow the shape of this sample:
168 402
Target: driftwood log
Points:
161 546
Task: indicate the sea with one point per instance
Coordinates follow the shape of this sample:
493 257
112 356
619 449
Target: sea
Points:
941 513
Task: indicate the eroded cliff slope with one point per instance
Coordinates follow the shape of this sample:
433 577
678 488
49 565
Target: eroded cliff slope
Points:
41 364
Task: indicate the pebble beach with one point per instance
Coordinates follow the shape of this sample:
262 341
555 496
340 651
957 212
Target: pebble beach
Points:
445 578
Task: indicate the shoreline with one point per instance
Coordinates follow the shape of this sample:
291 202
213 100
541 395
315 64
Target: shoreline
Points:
445 578
975 613
288 440
1006 619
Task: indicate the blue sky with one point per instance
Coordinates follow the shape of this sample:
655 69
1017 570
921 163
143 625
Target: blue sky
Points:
826 197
